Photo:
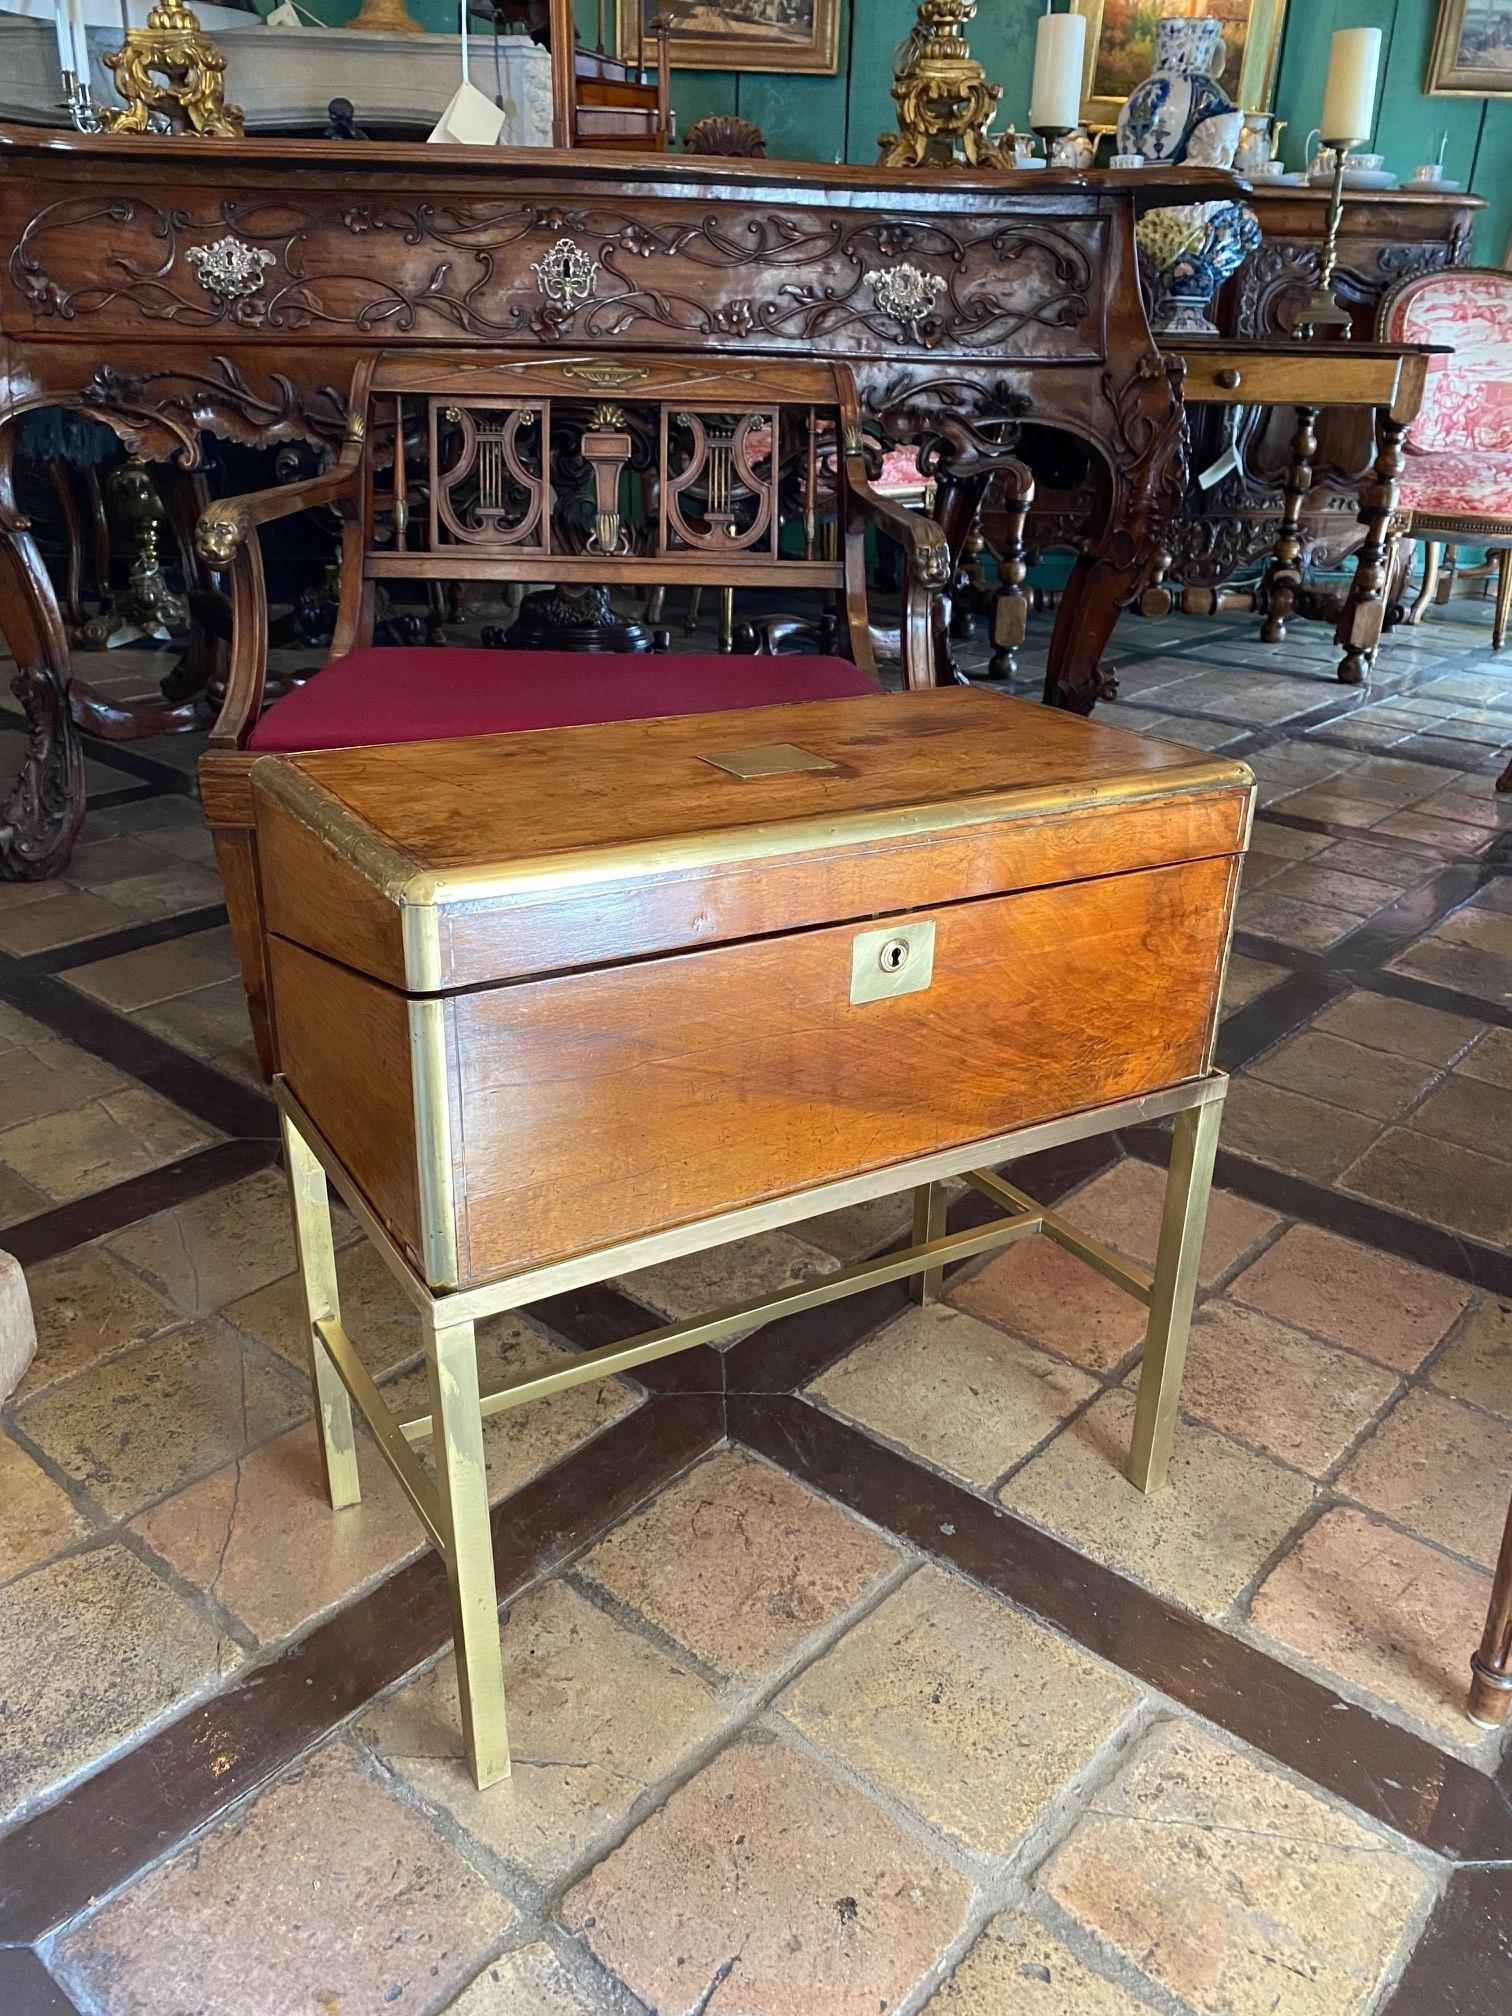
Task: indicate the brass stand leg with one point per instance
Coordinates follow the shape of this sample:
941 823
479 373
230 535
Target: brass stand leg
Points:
1193 1146
1491 1682
1284 575
453 1359
928 1223
317 1272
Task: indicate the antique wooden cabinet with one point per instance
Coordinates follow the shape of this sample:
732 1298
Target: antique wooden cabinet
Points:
175 287
622 977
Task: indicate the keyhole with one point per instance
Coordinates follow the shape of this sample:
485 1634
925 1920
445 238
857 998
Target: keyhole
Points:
894 955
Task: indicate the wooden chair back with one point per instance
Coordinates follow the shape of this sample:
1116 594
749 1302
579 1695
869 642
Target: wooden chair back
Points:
641 472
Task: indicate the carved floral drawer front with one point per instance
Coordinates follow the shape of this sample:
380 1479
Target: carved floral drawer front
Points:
851 282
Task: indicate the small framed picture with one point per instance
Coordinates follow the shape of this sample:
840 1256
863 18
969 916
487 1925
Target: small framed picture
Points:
1472 49
792 35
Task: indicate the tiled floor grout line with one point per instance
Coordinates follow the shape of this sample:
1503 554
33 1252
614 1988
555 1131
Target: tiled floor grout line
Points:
1191 1679
63 1228
112 944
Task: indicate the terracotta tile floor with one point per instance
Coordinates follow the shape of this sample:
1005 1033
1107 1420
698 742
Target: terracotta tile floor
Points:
847 1674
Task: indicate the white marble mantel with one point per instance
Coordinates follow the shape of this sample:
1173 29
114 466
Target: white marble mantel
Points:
284 78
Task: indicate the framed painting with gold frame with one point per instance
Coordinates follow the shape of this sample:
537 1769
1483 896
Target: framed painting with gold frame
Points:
1472 50
1121 49
790 35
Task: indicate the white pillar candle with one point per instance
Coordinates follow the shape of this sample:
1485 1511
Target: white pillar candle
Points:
65 36
1349 96
1060 42
80 64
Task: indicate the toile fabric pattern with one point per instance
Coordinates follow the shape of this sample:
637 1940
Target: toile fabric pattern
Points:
1467 406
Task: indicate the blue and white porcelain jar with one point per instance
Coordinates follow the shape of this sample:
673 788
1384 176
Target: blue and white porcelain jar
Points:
1161 115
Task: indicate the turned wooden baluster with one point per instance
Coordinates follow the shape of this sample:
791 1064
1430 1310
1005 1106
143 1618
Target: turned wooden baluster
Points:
1364 613
1010 605
1285 573
1491 1681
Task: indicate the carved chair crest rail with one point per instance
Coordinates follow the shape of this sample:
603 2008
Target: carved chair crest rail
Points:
574 474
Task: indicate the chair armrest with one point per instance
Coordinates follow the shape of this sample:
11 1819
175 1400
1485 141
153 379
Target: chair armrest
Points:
226 538
920 537
225 526
928 572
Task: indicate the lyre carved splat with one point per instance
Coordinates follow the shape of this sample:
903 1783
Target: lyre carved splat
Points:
730 468
489 483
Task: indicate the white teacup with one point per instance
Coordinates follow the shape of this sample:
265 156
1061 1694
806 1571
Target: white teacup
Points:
1127 161
1429 171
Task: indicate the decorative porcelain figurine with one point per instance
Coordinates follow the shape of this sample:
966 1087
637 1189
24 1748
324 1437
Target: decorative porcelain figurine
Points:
1181 113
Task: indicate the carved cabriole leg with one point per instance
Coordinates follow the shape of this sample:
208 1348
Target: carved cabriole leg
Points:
316 1252
1139 493
1491 1666
1284 574
467 1537
1364 612
44 808
1503 598
1194 1144
1433 554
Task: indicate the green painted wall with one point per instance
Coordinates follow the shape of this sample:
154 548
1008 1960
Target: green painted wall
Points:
840 118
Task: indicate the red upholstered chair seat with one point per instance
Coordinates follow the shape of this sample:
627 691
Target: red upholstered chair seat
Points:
425 694
1454 485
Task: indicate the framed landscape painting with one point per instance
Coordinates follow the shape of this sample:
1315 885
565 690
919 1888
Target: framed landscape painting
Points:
796 35
1121 49
1472 49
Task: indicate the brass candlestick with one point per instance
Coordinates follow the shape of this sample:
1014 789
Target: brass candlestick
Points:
945 104
1323 308
385 17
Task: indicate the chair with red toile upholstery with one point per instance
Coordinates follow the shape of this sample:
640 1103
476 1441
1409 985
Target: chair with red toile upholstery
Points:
1457 462
572 474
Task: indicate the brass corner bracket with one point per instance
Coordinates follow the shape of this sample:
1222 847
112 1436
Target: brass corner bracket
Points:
171 76
945 104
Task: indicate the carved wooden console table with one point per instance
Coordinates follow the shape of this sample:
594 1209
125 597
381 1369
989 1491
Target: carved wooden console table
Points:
170 286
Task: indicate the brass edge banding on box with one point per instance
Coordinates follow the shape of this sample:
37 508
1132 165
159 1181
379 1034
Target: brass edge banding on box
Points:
431 1089
591 867
335 825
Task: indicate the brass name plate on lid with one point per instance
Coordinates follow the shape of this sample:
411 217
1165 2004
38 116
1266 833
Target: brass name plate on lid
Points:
770 759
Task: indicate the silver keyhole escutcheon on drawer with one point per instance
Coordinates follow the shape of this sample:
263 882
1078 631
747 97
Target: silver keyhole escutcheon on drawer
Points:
898 960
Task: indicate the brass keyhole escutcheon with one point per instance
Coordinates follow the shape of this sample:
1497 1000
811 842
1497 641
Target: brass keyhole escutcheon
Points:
899 959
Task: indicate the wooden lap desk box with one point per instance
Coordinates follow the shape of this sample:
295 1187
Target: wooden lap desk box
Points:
553 1006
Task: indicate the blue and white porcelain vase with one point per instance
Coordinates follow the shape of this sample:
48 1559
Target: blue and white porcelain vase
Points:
1181 113
1161 116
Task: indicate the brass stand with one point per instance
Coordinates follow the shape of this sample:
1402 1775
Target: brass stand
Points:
944 101
1323 309
190 97
453 1507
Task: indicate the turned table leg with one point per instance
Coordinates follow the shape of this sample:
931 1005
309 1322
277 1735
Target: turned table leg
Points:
1010 605
1359 629
1491 1679
1284 575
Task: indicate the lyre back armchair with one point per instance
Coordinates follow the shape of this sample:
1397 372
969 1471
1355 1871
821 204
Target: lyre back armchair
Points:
572 476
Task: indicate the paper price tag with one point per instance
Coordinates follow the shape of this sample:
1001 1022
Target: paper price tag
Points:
470 120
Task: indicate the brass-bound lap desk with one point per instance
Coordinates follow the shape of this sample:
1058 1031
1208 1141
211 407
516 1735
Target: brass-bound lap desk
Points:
551 1007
